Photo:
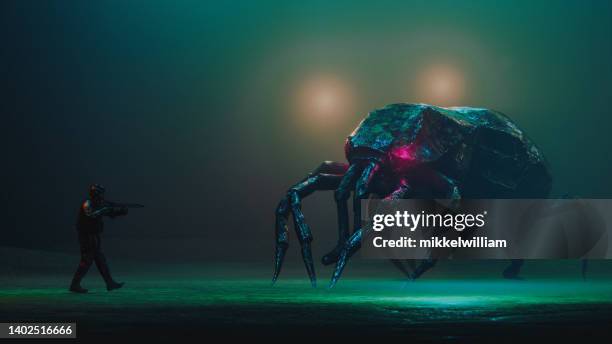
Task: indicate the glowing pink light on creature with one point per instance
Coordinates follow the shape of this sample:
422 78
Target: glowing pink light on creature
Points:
403 157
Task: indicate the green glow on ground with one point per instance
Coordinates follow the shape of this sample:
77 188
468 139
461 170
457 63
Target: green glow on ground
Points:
395 300
371 300
483 293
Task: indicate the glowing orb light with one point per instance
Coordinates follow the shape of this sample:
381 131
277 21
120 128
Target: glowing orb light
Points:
440 84
323 100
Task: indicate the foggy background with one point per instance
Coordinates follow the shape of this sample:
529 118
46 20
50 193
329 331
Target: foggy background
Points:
207 112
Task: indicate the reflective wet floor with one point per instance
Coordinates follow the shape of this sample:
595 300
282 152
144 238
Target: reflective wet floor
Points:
180 303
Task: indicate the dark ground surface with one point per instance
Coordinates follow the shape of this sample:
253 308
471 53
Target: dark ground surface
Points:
459 301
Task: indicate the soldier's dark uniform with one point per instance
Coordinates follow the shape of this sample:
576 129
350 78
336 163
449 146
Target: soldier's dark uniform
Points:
90 225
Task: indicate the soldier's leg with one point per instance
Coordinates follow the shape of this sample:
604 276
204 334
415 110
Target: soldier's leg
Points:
87 258
102 266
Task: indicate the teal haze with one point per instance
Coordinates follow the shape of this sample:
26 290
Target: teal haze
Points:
203 111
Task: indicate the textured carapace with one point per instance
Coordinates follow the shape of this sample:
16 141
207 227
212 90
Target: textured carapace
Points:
481 149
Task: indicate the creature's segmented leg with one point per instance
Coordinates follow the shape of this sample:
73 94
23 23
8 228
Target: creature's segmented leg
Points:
512 271
341 196
425 265
399 264
362 191
399 193
445 188
354 242
327 177
282 236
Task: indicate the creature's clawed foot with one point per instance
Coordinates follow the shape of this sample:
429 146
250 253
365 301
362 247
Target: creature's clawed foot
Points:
425 265
332 256
512 276
513 270
352 245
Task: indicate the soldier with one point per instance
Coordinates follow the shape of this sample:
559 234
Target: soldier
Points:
89 226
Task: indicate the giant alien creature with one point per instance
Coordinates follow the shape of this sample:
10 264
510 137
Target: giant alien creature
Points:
416 151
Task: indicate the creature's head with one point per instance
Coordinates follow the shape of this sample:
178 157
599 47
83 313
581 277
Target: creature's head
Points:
96 193
401 136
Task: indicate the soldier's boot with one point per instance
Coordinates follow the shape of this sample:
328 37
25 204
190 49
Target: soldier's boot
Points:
111 284
114 285
75 285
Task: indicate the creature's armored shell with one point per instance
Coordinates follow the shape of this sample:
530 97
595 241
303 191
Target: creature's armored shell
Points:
481 149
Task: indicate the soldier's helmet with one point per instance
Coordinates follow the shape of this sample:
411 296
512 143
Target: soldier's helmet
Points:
96 191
